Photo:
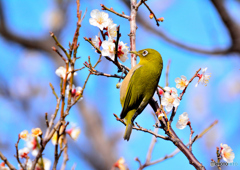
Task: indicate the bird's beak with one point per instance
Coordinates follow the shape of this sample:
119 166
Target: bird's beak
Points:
134 52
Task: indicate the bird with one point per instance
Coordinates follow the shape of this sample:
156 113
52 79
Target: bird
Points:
139 85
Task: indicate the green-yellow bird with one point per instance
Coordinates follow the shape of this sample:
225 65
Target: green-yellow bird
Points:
139 86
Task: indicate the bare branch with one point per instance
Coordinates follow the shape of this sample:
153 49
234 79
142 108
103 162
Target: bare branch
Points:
142 129
111 10
11 167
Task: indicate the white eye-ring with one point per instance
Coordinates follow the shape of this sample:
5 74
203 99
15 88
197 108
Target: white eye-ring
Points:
145 52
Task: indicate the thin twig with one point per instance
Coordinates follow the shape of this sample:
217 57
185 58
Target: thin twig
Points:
17 155
153 142
54 49
184 90
177 150
151 12
59 45
11 167
56 158
65 155
46 119
96 48
190 136
116 48
174 110
138 127
53 91
111 10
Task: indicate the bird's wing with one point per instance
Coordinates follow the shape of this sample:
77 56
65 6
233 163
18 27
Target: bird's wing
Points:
132 101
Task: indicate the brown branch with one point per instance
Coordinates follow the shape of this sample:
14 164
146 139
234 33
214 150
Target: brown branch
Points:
96 48
177 149
97 73
53 91
139 128
46 119
56 158
175 139
17 155
65 155
184 90
11 167
232 26
45 140
181 95
151 12
111 10
133 28
54 49
171 40
190 136
116 47
59 45
153 142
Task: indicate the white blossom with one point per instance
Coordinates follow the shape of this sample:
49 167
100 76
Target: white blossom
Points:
227 153
61 72
76 91
108 48
171 90
122 51
181 83
112 29
99 19
46 164
204 77
74 132
182 121
170 99
23 153
96 41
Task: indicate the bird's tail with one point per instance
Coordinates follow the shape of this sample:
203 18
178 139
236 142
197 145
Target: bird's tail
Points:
129 125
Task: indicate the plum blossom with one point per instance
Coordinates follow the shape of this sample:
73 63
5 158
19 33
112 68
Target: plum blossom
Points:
170 98
122 51
121 164
36 132
112 29
28 165
23 153
97 41
204 77
99 19
3 167
171 90
108 48
46 164
74 132
76 91
24 135
181 83
61 72
227 153
182 121
33 145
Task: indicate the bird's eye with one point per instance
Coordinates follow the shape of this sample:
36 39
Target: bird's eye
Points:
145 52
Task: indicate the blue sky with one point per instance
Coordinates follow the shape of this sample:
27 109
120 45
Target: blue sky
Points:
193 22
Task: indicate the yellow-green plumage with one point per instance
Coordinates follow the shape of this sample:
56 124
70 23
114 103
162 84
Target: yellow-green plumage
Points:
139 86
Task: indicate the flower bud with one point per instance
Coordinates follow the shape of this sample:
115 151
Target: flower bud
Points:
151 16
160 19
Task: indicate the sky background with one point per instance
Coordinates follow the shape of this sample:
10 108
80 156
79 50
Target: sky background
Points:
26 74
